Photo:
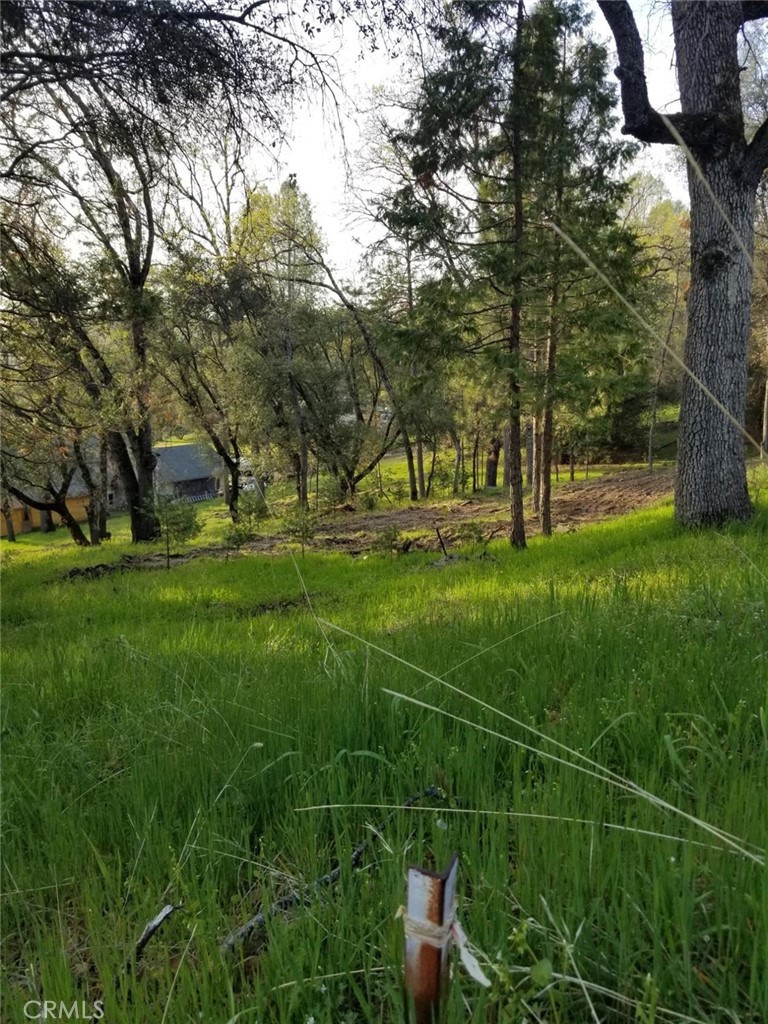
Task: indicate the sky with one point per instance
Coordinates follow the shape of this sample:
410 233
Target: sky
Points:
321 158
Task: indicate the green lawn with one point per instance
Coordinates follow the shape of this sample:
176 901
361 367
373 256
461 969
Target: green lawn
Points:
605 767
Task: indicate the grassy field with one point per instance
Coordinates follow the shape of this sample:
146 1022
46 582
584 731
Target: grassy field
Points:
210 737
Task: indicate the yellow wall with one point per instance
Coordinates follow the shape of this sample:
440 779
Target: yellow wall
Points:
22 524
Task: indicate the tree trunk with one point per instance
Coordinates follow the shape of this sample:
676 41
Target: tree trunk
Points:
505 477
47 524
103 487
412 483
517 524
144 524
553 328
547 426
232 489
711 485
136 477
304 471
764 440
457 464
420 468
536 474
60 507
296 467
95 487
492 462
529 446
517 513
475 463
10 530
94 530
432 468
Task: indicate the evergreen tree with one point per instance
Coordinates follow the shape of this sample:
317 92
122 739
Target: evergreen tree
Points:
511 134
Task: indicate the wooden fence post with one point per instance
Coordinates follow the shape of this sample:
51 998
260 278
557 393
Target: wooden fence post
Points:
429 916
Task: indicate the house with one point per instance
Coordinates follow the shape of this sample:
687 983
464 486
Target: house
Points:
25 519
189 471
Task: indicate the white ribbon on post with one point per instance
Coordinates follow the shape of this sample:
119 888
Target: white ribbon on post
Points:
438 935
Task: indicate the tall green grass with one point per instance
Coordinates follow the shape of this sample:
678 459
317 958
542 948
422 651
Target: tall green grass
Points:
165 732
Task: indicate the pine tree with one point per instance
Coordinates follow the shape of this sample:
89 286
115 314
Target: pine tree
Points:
510 135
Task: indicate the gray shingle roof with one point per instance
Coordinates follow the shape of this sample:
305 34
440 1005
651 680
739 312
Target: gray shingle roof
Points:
177 463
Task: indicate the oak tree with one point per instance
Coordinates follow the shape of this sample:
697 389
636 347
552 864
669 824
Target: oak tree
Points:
724 172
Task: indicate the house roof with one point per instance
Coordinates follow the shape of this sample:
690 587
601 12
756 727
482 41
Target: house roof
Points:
177 463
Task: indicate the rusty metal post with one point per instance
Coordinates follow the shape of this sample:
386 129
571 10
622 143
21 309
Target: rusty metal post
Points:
429 917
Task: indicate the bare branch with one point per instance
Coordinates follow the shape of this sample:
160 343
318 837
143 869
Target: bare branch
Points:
756 159
705 131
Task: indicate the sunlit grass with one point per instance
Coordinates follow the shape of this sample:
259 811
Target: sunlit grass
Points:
136 706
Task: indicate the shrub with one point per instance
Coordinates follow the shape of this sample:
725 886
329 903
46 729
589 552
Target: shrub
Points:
300 526
330 493
386 540
178 521
471 535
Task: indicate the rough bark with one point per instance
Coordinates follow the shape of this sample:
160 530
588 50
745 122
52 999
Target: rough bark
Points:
457 463
764 441
492 462
144 522
10 530
433 460
547 426
420 468
103 486
93 509
409 461
71 523
553 328
711 485
517 524
233 488
536 440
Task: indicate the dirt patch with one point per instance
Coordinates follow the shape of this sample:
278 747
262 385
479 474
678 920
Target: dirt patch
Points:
354 533
135 563
573 505
614 494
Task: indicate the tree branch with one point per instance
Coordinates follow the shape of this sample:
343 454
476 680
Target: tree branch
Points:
705 131
756 159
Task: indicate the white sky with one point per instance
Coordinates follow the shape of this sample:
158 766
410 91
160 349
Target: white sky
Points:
316 152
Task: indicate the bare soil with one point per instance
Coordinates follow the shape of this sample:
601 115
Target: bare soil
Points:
573 505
